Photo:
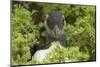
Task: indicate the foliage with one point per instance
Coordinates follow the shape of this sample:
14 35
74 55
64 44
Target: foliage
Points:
79 30
60 54
23 33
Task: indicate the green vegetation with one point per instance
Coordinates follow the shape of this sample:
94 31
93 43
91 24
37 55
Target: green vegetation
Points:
28 28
